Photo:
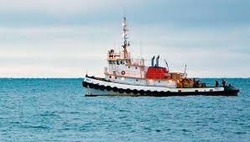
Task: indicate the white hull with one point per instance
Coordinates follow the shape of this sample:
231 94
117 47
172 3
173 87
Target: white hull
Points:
100 87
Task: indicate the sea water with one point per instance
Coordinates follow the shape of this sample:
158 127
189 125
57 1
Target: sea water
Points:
56 110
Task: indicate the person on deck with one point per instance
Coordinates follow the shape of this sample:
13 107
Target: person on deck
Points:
216 83
223 83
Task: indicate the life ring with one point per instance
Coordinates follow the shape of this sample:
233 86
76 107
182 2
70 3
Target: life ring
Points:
123 72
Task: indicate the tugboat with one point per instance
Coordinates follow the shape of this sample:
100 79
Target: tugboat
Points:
126 76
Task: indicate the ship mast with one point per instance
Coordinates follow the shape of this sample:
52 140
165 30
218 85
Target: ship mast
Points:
125 37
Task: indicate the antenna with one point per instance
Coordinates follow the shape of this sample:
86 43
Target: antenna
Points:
166 63
125 31
124 11
185 71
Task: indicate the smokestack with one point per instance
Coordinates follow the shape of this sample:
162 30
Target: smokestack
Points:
157 61
152 61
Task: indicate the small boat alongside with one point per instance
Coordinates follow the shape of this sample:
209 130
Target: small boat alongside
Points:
126 76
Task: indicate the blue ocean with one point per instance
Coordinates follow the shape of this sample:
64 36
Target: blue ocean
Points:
56 110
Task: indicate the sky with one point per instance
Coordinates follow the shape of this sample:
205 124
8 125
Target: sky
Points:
62 38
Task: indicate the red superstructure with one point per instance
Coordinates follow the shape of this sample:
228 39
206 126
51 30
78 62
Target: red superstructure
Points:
157 73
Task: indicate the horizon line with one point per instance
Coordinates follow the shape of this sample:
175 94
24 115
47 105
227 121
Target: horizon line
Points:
84 77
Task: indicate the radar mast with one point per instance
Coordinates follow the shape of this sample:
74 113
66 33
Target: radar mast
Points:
125 37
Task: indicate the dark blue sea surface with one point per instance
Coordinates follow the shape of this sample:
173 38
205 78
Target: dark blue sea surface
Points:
56 110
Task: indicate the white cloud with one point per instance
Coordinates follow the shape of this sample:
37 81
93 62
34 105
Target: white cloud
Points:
27 52
68 51
218 52
62 7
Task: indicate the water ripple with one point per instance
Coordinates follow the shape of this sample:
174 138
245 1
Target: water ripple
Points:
55 110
